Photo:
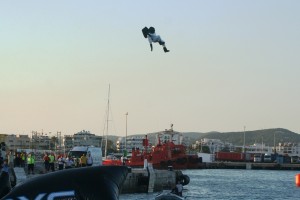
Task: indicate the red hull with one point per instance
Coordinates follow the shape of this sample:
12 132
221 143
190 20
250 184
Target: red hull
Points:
112 162
188 162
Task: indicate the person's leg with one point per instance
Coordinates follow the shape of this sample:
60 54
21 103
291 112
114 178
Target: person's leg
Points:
165 49
161 42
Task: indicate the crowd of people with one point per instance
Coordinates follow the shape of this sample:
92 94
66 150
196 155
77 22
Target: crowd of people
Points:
66 162
50 160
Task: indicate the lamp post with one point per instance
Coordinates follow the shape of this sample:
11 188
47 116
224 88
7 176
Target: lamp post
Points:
274 144
262 144
244 140
49 139
126 133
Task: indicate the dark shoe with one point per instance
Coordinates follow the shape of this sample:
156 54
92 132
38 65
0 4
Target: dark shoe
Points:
166 50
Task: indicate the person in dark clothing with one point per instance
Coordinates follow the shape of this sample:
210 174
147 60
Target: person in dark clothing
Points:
46 162
5 185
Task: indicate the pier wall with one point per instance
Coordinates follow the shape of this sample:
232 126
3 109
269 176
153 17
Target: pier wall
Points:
138 181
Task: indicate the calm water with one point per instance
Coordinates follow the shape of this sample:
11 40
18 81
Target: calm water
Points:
235 184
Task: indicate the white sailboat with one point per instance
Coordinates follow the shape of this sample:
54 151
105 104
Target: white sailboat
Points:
108 159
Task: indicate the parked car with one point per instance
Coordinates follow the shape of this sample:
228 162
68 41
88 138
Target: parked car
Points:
267 157
295 159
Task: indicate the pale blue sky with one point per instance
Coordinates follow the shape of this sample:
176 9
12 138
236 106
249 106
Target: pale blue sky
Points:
232 64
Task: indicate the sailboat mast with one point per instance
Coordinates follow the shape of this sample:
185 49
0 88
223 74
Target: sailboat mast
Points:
107 117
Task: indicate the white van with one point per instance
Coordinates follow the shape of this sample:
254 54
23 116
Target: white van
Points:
96 153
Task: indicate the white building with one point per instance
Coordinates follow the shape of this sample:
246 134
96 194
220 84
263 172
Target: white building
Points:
85 138
14 142
214 145
132 142
292 149
259 148
68 142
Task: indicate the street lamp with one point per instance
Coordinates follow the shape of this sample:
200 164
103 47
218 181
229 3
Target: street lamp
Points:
126 132
244 139
49 139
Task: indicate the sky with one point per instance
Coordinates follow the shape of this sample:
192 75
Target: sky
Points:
232 65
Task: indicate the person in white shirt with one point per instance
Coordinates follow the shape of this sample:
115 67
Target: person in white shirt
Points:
69 163
152 38
89 159
61 162
10 158
179 188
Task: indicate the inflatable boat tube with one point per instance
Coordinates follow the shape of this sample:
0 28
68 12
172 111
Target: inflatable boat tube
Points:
92 183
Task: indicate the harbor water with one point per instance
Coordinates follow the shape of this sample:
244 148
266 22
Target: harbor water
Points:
235 184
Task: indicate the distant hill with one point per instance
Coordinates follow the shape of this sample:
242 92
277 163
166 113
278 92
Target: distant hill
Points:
266 136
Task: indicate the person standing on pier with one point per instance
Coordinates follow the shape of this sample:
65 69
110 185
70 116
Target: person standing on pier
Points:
51 161
30 163
69 162
46 162
83 160
60 162
5 185
89 159
10 158
18 159
23 158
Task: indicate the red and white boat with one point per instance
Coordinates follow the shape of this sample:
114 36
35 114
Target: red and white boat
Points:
169 151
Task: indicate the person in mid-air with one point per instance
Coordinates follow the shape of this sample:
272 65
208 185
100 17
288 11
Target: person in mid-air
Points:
152 37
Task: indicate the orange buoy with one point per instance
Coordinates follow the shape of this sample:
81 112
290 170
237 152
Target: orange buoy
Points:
297 179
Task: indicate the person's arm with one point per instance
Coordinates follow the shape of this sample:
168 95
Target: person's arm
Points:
150 41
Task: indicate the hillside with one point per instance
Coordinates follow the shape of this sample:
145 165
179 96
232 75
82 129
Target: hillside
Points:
266 136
